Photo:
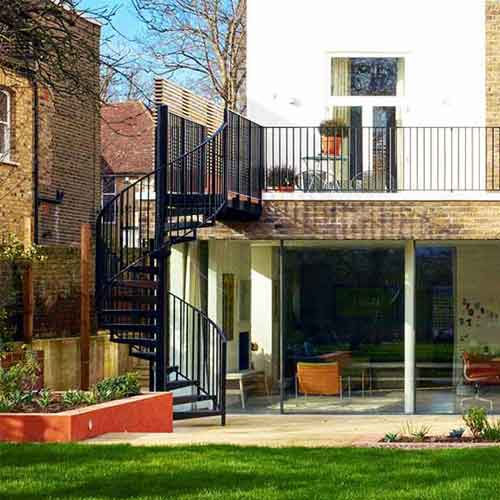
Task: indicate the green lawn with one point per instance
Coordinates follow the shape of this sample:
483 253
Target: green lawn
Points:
112 472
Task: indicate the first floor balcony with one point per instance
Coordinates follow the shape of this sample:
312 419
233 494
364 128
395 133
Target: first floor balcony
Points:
382 160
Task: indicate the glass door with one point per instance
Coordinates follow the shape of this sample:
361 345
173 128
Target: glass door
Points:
435 331
384 146
343 330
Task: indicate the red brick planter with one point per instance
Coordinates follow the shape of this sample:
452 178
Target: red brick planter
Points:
145 413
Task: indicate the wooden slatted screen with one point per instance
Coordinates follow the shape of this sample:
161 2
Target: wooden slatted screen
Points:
187 104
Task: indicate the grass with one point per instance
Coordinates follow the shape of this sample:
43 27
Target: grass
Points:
225 472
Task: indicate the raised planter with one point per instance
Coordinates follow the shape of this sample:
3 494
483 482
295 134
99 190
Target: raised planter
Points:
11 358
144 413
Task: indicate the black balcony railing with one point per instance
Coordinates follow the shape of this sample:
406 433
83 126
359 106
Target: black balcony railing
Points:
382 159
244 152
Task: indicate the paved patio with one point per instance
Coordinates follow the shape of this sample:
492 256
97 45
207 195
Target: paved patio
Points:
285 430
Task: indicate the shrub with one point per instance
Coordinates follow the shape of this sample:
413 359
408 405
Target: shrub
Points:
457 433
417 433
280 176
70 399
476 421
6 332
21 376
20 398
491 431
391 437
6 405
119 387
89 398
44 399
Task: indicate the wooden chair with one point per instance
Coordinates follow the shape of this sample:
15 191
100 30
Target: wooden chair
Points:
319 379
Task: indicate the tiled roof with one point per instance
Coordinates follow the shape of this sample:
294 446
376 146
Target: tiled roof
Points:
127 138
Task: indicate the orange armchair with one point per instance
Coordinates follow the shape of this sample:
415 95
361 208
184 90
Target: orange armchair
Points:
479 370
320 379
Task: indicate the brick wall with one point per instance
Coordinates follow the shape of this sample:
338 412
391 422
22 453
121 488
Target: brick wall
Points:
70 152
56 283
57 293
492 42
16 189
492 63
366 220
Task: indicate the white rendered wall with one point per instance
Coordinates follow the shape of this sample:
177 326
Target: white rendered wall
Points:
230 257
443 42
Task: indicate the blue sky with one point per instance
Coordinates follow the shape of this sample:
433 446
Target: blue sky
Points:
125 20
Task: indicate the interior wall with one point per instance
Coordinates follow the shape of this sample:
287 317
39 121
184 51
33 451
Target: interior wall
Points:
228 257
477 299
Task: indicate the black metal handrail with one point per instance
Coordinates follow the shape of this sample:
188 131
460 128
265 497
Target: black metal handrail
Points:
127 223
382 159
198 348
245 157
135 232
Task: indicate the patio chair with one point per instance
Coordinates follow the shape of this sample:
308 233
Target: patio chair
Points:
319 379
372 182
316 181
480 371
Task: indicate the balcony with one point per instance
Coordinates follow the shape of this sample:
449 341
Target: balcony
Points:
382 162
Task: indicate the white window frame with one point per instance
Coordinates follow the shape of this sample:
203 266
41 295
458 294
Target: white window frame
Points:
6 155
368 103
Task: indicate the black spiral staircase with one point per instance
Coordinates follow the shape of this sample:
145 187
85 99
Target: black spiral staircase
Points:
197 180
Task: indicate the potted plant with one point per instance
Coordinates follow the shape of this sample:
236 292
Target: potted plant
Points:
332 132
281 178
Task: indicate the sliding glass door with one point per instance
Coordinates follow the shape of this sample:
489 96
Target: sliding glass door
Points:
343 330
435 331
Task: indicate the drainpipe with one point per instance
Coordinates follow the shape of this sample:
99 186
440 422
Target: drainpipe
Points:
36 166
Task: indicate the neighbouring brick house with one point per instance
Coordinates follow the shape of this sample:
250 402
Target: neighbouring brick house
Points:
127 141
50 183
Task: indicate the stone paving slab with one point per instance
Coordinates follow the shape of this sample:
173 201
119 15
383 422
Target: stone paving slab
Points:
285 430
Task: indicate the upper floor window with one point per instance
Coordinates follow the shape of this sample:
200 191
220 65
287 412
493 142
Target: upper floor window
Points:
5 142
367 76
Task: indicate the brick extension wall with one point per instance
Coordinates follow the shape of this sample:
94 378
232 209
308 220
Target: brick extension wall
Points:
492 63
366 220
70 152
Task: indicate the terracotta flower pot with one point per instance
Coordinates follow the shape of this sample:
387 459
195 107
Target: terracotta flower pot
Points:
285 189
331 145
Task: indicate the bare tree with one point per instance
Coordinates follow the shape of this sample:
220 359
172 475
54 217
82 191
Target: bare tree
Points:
126 83
202 42
46 38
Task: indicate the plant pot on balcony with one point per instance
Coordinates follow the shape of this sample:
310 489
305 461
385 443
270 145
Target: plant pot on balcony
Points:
9 359
331 145
285 189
